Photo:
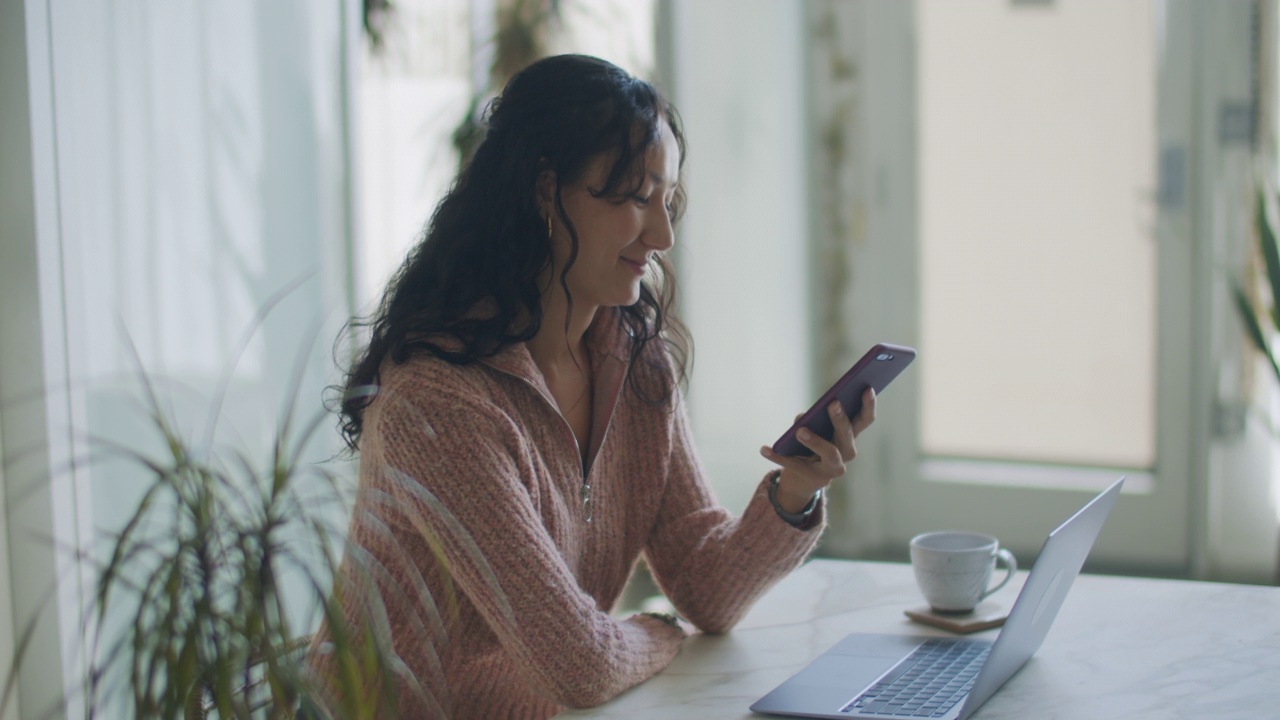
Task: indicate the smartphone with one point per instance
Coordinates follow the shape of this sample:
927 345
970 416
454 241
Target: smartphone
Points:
876 369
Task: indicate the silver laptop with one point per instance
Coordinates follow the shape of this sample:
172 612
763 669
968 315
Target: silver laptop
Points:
904 676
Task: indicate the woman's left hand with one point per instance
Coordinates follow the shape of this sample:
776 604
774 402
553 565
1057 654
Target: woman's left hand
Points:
804 476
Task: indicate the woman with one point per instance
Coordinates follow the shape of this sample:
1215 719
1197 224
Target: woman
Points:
521 434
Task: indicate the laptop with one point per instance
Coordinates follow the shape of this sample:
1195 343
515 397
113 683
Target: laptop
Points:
903 676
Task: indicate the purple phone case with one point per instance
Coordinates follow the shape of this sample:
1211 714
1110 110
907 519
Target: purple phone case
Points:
876 369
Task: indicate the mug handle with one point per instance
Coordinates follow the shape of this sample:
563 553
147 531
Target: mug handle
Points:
1011 567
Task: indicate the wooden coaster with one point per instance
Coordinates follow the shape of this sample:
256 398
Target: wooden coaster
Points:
983 617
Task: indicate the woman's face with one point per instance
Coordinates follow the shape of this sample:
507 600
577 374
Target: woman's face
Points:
617 237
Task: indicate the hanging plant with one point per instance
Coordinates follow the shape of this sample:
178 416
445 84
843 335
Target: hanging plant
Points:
522 36
376 15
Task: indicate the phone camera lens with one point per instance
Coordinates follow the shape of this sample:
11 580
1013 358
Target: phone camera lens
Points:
884 356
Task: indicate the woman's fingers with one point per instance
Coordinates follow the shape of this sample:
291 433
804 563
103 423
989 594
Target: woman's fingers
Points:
843 432
867 414
825 450
830 458
826 463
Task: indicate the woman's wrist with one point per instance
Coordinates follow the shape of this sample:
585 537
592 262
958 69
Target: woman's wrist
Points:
790 497
796 511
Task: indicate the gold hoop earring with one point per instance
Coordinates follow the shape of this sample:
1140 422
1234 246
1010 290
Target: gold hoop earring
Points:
548 226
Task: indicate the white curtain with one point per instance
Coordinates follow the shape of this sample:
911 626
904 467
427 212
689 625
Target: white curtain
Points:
199 156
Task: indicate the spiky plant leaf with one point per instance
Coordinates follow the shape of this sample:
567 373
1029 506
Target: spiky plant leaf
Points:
200 567
1253 326
1270 252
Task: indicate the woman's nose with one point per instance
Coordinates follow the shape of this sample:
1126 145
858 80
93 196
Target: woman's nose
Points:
660 235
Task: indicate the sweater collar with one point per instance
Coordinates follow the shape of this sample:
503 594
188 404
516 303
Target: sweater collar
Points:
604 340
607 344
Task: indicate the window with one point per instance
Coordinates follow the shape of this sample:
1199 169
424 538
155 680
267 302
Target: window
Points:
1037 200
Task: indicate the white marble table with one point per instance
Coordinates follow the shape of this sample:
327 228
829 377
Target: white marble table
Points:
1121 648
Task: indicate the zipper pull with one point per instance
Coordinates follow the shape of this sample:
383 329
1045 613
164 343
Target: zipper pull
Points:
585 495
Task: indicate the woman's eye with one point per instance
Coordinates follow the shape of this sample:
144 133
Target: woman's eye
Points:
641 201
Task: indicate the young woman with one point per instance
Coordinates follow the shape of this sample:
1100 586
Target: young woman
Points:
521 433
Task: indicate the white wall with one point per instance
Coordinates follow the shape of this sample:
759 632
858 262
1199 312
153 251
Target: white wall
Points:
742 252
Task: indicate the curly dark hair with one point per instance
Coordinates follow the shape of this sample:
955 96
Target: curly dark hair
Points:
486 245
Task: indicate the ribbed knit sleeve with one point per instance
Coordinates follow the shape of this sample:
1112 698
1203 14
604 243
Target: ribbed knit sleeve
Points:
712 565
455 474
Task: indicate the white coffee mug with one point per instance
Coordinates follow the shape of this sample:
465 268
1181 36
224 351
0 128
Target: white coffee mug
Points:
953 569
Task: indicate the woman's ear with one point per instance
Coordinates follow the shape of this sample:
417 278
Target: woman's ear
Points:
546 192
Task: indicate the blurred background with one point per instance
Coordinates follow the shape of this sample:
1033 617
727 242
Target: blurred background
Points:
1049 199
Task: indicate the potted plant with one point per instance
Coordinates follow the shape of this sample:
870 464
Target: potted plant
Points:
199 570
195 607
192 603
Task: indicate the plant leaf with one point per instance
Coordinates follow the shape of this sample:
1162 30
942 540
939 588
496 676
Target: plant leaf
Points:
1253 326
1270 251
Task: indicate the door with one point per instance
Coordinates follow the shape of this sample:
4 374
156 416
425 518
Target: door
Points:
1021 211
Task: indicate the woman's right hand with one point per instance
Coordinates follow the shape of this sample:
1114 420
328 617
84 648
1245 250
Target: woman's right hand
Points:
802 477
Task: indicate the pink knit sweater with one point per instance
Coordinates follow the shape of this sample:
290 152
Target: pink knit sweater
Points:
496 588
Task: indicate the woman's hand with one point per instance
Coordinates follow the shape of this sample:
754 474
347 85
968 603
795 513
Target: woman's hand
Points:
804 476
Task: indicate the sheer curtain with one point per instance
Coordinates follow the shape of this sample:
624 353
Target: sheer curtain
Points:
197 229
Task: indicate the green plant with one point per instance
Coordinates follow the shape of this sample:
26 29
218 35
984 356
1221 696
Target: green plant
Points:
1257 296
374 17
206 570
206 595
1262 325
199 581
199 566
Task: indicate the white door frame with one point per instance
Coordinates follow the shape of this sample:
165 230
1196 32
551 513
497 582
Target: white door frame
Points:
871 117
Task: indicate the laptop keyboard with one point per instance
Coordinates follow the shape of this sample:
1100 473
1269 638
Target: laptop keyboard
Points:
928 683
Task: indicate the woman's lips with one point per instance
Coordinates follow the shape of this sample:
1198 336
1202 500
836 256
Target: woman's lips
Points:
638 266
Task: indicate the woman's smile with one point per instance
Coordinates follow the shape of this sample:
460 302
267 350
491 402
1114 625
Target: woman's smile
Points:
627 231
637 266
